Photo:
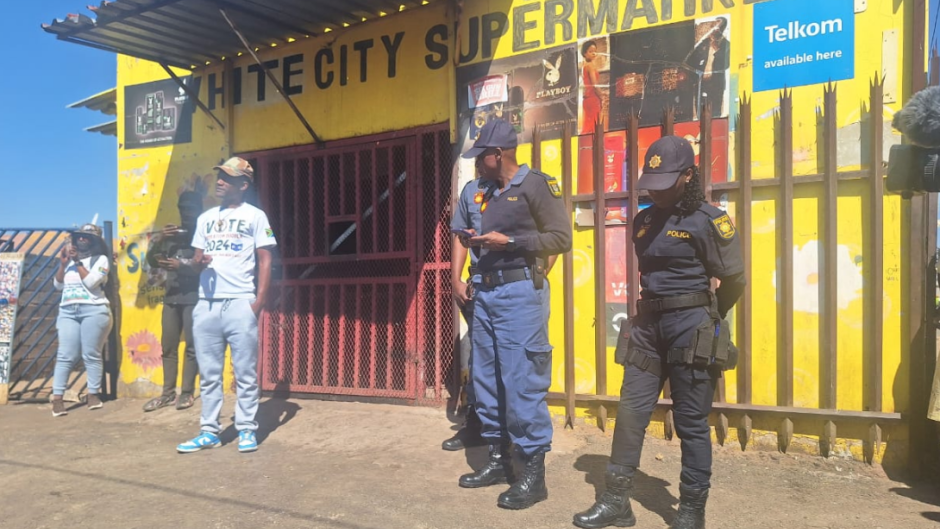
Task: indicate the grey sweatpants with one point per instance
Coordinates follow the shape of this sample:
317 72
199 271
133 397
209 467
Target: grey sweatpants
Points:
215 324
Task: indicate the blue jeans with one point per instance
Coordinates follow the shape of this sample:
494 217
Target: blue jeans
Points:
218 323
83 330
512 365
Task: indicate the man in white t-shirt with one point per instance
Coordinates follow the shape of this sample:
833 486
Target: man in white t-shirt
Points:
230 240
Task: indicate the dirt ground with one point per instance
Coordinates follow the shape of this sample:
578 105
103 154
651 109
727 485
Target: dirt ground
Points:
339 465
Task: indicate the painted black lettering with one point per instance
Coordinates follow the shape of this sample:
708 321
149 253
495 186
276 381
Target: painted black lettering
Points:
553 19
288 72
254 68
323 82
436 43
597 21
520 25
391 46
665 9
634 9
690 8
237 86
215 91
343 65
362 47
474 41
491 32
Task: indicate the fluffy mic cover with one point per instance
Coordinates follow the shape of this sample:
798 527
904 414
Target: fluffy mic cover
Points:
919 120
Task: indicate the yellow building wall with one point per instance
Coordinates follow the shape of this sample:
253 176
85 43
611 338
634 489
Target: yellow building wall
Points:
150 179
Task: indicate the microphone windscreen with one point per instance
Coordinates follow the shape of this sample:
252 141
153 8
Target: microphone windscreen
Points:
919 120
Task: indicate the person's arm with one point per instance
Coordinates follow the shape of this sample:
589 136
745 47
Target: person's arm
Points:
729 292
264 279
551 218
458 258
720 252
59 279
264 242
200 259
157 247
550 263
98 274
592 73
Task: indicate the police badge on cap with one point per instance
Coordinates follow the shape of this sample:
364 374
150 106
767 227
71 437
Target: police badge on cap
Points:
666 159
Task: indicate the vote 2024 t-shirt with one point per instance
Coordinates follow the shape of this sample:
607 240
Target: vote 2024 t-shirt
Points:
230 236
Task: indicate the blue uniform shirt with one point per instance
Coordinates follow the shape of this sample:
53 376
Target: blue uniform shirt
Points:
468 215
679 253
530 210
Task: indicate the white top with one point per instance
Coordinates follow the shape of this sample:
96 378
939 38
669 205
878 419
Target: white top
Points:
88 291
231 236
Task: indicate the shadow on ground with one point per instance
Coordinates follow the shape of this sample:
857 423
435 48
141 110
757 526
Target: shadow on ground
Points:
650 492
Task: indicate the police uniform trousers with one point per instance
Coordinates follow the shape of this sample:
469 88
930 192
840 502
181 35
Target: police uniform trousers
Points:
512 364
466 352
654 336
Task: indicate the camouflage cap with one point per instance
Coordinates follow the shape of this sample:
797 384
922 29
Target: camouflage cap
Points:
237 167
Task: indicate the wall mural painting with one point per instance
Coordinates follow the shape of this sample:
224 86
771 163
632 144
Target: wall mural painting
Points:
144 350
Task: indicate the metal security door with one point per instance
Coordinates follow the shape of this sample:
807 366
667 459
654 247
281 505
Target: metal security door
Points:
343 317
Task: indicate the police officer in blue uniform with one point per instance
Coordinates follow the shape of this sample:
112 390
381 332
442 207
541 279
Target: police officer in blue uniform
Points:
523 222
467 218
679 332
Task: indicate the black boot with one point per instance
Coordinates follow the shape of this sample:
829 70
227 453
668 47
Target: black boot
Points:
497 470
467 436
613 507
691 508
530 489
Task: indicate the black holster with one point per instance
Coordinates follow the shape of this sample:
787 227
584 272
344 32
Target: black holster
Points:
622 351
538 273
712 345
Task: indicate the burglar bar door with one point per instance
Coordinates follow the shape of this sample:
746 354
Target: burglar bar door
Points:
342 320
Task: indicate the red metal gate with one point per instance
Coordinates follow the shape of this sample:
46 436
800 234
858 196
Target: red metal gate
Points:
362 296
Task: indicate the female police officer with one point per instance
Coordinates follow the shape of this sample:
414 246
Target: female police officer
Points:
678 333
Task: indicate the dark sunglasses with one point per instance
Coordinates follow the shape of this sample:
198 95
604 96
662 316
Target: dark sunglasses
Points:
231 180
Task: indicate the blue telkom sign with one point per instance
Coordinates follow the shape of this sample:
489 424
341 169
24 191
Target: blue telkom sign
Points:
803 42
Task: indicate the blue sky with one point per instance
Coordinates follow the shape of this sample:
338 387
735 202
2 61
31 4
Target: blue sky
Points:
53 173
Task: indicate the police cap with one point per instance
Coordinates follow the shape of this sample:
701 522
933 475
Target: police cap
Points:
496 134
666 159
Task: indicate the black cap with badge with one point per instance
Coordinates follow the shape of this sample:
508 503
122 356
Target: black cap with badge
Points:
666 159
496 134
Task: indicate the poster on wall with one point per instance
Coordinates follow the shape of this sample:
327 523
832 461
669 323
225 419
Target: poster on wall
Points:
157 113
616 164
681 65
803 42
594 93
11 271
539 88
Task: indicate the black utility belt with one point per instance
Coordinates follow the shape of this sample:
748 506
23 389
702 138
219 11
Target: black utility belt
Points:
686 301
502 277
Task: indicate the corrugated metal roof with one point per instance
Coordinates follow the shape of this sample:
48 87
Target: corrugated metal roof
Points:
108 129
104 102
192 33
